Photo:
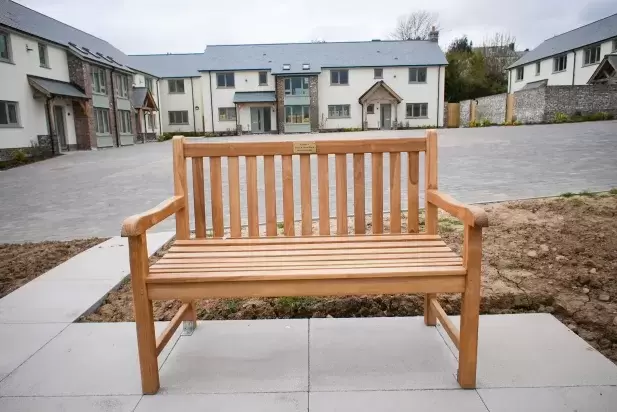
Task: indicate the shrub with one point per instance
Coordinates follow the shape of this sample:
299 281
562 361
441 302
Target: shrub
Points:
613 191
486 123
164 137
567 194
473 123
517 123
587 193
561 118
20 156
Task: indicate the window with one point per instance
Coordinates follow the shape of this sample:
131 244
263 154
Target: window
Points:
378 73
560 63
121 86
592 55
225 80
125 122
287 67
537 68
263 78
227 114
417 75
337 111
297 86
370 109
43 59
9 114
101 121
5 47
520 73
340 77
175 85
149 84
306 66
615 45
417 110
179 117
99 81
297 114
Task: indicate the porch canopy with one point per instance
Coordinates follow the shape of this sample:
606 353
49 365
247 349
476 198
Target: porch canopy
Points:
606 72
56 88
143 99
380 91
254 97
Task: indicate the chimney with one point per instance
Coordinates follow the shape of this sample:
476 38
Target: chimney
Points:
433 35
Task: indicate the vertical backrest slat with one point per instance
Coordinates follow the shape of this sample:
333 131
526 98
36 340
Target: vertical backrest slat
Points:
216 197
270 188
288 196
341 194
251 196
395 193
305 194
183 231
235 218
430 162
323 186
358 194
413 171
377 195
199 197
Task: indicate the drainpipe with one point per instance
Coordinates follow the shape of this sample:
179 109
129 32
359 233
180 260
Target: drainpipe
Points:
574 67
438 99
193 108
49 129
211 108
362 117
158 97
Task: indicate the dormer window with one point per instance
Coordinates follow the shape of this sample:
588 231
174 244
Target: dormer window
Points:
306 66
287 67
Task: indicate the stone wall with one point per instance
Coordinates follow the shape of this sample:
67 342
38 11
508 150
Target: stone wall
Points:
314 103
492 108
279 88
465 107
529 105
581 100
79 74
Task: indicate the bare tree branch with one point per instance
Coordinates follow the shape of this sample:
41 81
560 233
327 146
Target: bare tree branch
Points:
499 52
415 26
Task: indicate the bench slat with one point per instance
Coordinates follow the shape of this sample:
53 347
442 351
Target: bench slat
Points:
413 198
270 188
358 193
341 194
216 194
377 192
305 194
255 262
386 237
234 197
199 202
288 196
323 187
395 193
251 196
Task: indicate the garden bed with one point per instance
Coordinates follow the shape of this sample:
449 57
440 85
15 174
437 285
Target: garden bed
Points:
555 255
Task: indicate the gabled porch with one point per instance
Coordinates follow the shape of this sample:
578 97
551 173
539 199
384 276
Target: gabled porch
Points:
145 113
379 107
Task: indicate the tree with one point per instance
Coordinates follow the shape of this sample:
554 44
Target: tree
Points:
415 26
499 52
461 44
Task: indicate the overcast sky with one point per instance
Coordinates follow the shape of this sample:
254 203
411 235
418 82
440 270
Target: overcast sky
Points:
161 26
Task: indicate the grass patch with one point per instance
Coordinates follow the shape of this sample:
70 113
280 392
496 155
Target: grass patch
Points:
587 193
567 194
613 191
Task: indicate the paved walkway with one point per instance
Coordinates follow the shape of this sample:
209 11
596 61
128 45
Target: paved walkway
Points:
90 193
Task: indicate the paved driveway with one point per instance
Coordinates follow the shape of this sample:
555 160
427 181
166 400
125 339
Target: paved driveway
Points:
89 193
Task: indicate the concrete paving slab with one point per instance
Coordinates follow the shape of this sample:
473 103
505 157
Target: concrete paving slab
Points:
20 341
378 354
579 399
254 402
240 356
535 350
85 359
66 404
397 401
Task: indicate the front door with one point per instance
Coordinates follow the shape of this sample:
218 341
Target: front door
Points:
260 119
60 129
386 116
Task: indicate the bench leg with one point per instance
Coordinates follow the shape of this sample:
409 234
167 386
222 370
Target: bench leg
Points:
190 323
144 319
430 319
470 310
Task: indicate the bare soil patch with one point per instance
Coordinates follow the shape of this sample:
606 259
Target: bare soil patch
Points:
20 263
555 255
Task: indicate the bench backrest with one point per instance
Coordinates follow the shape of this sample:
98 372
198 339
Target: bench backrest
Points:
224 166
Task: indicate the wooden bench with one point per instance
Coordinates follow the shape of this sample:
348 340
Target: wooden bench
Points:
299 264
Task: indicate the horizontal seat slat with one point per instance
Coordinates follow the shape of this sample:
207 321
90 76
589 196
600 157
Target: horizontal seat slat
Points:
279 240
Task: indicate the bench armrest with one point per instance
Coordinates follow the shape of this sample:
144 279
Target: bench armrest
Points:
138 224
473 216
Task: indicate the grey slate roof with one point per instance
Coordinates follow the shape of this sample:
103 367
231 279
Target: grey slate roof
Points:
322 55
51 87
536 85
139 96
254 97
168 65
26 20
595 32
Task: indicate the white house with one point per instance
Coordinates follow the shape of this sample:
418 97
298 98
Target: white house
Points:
570 58
304 87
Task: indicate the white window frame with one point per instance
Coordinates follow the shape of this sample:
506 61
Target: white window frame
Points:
227 114
375 75
560 63
592 55
4 106
9 52
335 77
226 83
291 91
265 74
101 121
43 55
125 122
122 86
415 74
98 73
538 68
422 110
302 110
173 86
149 82
339 111
174 114
520 73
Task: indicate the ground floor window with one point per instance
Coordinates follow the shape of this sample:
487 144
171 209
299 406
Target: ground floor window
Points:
297 114
370 109
125 122
101 121
417 110
179 117
227 114
337 111
9 113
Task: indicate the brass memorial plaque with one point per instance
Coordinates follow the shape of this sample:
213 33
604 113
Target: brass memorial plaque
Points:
305 147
